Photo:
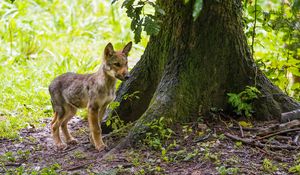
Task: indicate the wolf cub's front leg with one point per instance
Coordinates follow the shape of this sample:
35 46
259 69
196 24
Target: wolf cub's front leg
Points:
94 125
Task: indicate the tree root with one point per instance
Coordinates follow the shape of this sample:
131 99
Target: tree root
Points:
140 127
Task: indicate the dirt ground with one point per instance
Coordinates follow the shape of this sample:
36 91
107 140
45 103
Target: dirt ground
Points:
213 153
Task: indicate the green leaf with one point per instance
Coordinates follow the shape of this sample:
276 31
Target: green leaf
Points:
151 26
252 10
294 71
113 1
128 4
137 32
159 10
186 1
197 8
296 5
108 122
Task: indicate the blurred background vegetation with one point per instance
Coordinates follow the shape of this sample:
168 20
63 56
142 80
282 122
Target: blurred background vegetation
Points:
40 39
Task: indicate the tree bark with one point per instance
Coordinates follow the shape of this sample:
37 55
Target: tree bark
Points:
190 66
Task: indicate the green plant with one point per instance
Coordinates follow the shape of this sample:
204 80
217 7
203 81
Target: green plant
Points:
224 171
268 166
208 155
23 154
242 102
79 154
191 155
187 130
51 170
114 120
131 96
158 133
295 169
8 156
238 144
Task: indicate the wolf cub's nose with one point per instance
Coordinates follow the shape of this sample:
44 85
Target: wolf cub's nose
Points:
126 77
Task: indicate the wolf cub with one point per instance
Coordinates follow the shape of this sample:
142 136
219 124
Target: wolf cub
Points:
95 91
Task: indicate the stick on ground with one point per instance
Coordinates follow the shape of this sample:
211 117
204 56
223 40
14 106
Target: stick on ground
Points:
260 145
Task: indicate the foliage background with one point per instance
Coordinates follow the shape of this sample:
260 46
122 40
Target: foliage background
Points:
40 39
275 40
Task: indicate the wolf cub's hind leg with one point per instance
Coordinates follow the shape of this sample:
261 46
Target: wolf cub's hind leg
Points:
69 114
55 124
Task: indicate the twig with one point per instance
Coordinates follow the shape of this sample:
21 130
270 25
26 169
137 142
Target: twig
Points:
241 129
295 140
246 129
81 165
68 150
13 164
200 139
260 145
278 133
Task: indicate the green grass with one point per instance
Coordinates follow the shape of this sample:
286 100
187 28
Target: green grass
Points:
41 39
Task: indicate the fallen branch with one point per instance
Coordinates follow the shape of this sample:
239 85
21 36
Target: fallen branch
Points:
278 133
289 116
277 128
260 145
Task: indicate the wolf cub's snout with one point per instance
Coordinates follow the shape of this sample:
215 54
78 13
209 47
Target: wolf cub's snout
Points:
95 91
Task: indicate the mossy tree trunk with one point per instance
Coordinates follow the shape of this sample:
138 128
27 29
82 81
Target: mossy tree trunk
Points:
190 66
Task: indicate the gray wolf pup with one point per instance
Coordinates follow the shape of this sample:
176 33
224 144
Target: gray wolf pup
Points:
95 91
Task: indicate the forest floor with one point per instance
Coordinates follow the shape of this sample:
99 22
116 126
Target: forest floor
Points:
187 152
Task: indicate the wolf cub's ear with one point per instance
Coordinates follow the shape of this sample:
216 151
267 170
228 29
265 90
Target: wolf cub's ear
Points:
109 50
127 48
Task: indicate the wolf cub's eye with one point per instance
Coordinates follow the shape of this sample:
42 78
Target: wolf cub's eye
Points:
117 64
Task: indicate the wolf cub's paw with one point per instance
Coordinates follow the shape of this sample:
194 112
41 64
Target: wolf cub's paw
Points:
61 146
100 147
72 141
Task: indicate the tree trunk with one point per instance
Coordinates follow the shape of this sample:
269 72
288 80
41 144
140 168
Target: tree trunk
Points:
190 66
